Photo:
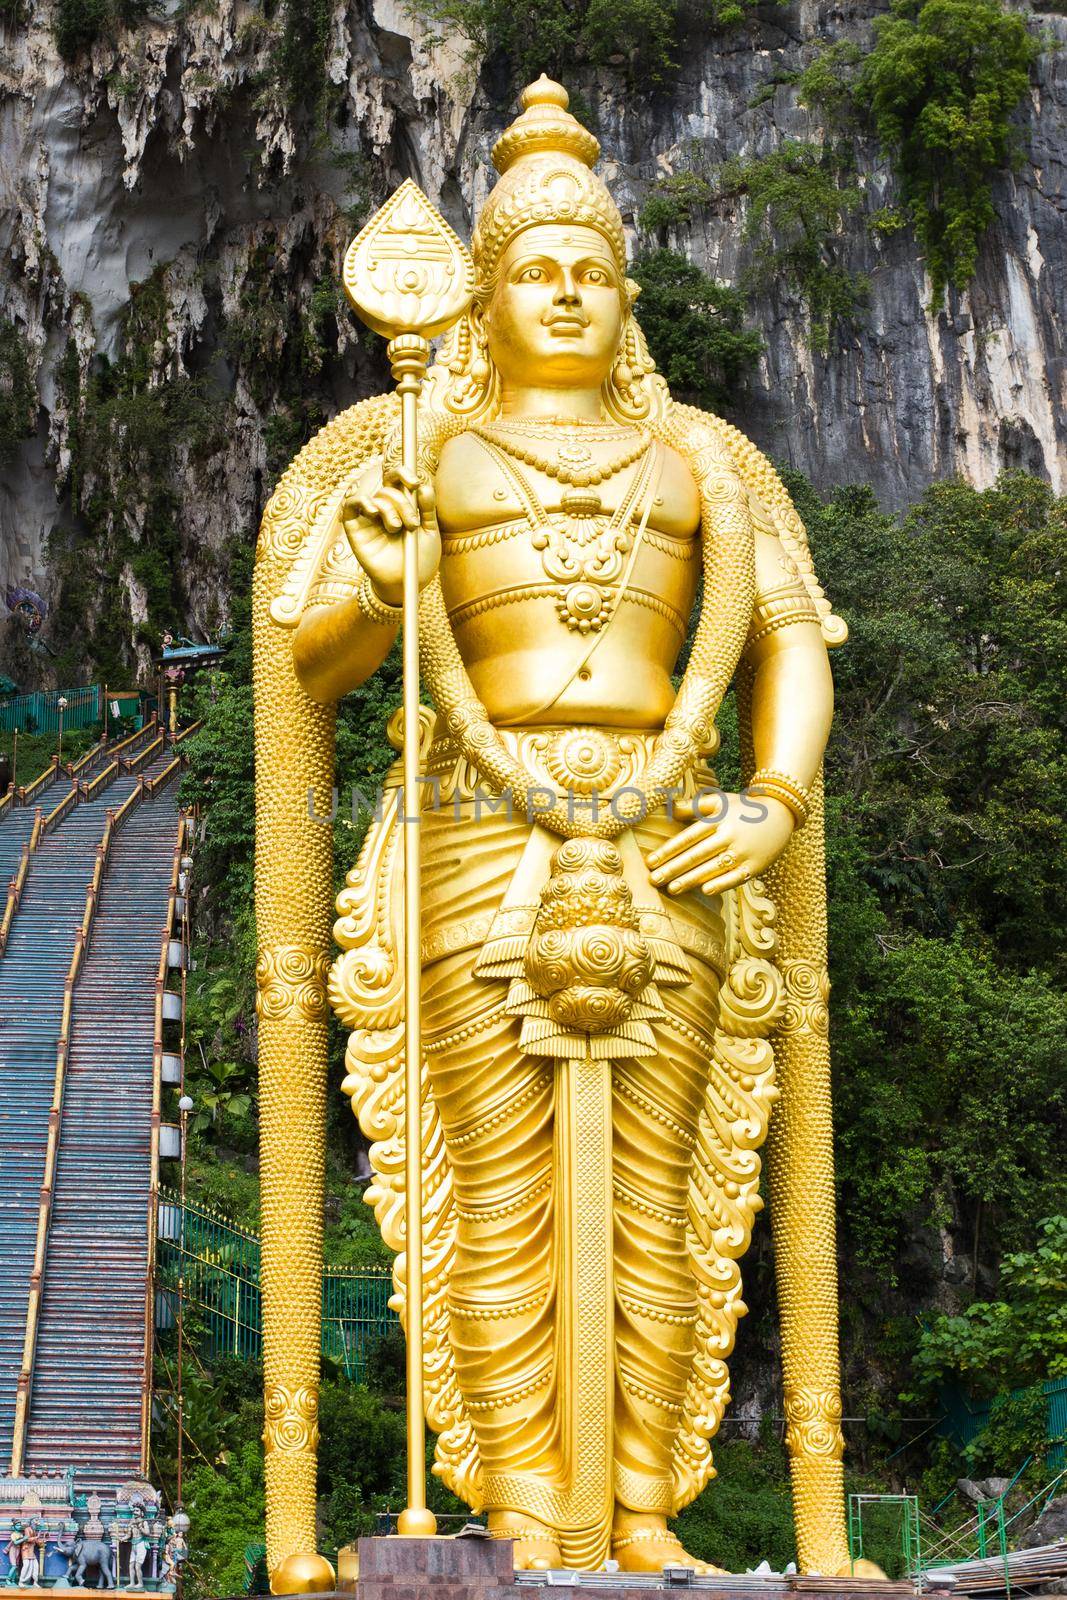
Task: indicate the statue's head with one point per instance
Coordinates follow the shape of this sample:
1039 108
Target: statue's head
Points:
549 251
553 304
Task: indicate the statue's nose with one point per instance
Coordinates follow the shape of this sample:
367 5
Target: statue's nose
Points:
568 292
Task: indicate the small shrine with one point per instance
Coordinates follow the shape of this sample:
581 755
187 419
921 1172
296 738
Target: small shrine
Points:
53 1537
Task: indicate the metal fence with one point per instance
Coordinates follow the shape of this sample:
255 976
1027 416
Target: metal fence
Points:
965 1418
219 1266
39 712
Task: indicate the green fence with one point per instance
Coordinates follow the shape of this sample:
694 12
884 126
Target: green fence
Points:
39 712
219 1266
965 1417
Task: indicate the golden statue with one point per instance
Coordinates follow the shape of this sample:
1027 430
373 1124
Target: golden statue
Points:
621 968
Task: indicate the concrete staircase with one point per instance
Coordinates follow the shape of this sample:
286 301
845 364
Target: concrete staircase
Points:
89 1364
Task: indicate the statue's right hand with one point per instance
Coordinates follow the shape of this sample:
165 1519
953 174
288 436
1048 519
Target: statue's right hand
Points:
375 520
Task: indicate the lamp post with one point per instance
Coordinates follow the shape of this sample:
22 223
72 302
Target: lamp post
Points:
15 759
61 706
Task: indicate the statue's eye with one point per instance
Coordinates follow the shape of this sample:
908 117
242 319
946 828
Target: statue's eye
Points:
594 275
532 275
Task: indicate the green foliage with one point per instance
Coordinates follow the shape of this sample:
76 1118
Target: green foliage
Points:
672 201
724 14
746 1516
554 36
828 82
946 865
1015 1340
301 55
941 85
227 1507
797 206
695 328
79 23
1017 1429
361 1459
18 392
280 342
129 430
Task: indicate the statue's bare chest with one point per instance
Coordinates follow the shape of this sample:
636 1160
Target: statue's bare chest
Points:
568 523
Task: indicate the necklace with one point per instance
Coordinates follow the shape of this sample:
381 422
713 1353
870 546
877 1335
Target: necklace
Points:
574 463
582 553
603 431
559 421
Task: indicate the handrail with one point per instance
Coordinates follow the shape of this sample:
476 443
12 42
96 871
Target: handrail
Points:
131 738
18 882
58 812
157 1105
27 791
86 760
91 788
44 1215
186 733
152 784
8 800
142 757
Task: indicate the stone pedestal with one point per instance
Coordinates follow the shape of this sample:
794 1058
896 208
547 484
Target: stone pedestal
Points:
481 1569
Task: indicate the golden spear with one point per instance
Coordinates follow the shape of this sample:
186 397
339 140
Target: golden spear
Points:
409 278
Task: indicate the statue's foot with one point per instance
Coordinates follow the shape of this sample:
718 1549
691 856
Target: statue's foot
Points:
645 1544
861 1568
536 1545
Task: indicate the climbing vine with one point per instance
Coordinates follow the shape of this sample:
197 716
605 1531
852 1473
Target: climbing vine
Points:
798 202
695 328
77 24
129 430
18 392
941 87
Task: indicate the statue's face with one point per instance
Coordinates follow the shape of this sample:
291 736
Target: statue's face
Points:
556 315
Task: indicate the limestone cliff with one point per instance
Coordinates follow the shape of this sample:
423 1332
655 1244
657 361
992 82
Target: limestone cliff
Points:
169 156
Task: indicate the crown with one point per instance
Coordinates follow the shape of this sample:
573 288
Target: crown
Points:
545 161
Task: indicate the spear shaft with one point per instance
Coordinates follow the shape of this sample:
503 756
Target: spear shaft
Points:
410 278
408 356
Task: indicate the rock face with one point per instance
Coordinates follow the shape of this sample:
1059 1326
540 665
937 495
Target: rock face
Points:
169 155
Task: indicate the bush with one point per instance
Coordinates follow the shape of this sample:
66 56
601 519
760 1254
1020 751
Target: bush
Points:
1015 1340
942 85
18 392
79 23
695 329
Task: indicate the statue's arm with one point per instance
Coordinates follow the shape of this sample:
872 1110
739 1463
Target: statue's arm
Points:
785 678
337 647
792 690
342 640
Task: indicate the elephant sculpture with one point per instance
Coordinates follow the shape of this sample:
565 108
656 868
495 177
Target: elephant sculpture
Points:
92 1553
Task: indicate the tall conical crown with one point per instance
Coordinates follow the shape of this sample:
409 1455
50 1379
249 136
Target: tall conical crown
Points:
545 161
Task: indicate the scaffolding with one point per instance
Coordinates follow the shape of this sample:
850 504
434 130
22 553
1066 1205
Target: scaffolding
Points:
910 1539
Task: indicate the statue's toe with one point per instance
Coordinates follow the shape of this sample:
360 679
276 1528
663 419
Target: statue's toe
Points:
861 1568
650 1550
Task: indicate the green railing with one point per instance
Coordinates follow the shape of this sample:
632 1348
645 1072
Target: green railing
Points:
219 1266
38 712
965 1418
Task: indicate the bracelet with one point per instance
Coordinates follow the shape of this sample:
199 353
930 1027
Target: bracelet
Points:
780 786
373 606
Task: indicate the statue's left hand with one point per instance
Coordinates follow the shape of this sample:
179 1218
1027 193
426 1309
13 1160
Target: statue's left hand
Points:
723 849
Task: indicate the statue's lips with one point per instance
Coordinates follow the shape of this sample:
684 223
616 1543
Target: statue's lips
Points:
566 325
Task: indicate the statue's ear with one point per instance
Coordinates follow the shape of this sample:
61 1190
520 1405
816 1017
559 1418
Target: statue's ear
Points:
633 289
